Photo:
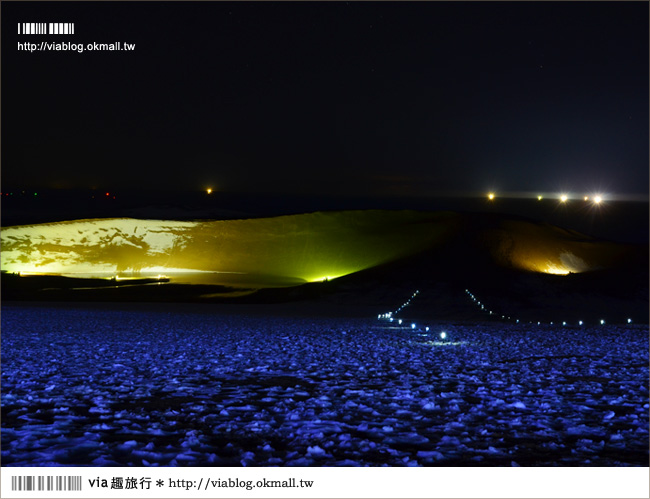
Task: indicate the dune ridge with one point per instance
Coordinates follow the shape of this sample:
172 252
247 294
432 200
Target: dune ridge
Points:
307 247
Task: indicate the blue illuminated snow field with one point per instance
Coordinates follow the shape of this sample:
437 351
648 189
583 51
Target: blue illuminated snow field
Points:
177 385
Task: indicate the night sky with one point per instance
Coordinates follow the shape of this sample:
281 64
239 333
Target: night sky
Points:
388 99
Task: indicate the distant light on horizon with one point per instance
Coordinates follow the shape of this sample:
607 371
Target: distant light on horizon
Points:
598 199
564 198
209 190
539 196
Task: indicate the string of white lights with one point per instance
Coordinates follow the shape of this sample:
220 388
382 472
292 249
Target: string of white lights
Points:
483 308
391 316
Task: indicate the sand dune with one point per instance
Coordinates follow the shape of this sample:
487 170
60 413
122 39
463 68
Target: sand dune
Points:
308 247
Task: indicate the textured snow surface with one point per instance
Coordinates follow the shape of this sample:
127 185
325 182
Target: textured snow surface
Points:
179 386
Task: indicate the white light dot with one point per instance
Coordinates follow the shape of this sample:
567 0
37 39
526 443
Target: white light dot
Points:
602 322
629 321
443 335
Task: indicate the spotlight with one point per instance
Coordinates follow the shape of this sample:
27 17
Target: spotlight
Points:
539 198
564 198
629 321
443 335
580 323
602 322
413 326
426 329
209 191
598 199
491 196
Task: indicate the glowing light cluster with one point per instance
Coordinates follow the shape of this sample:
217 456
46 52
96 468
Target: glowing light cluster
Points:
326 278
556 270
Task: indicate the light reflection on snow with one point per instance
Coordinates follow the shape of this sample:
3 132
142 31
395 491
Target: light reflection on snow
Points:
446 343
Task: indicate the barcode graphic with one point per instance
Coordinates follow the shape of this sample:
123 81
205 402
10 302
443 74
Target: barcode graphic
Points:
46 28
45 483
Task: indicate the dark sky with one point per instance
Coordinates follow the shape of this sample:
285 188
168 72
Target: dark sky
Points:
338 98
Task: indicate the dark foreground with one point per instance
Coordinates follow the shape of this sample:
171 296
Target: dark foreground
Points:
176 385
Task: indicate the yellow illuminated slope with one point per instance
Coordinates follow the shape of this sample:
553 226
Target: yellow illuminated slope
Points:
544 248
307 247
294 248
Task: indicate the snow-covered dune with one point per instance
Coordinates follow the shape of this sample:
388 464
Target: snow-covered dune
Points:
307 247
